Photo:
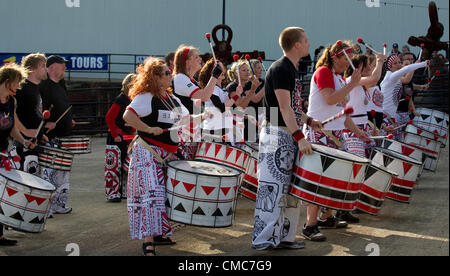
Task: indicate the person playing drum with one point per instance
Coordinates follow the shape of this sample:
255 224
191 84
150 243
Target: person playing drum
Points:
219 105
152 112
117 132
10 77
328 96
187 64
276 213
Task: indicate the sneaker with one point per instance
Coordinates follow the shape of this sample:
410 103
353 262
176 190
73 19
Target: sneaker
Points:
115 200
291 245
332 222
347 216
312 233
262 247
63 210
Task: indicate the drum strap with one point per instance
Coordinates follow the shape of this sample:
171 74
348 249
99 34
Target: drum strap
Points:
141 142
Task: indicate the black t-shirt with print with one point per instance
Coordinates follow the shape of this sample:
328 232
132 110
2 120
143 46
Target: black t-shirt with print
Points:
29 105
55 94
282 75
6 122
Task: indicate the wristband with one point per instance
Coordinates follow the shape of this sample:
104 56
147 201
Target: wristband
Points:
235 98
298 135
309 121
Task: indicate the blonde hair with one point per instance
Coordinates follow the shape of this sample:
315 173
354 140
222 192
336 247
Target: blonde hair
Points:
32 61
326 57
126 83
232 72
12 72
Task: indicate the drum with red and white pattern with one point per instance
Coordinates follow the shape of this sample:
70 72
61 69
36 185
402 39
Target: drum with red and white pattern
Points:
24 200
376 185
431 148
76 144
425 133
329 177
222 154
249 187
406 150
433 120
405 167
54 158
201 193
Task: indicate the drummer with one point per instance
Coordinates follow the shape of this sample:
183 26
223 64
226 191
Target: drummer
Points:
54 92
359 99
328 96
219 105
10 77
153 108
187 64
118 132
29 109
276 213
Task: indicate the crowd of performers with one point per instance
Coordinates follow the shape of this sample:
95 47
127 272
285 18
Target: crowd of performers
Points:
164 110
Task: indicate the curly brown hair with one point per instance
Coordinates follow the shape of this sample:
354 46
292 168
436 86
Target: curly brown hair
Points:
146 80
205 73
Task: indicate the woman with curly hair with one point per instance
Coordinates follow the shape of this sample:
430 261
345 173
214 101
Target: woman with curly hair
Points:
153 109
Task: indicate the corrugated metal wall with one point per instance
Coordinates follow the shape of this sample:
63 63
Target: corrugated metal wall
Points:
159 26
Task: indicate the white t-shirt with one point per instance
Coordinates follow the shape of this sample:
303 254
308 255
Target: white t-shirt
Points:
142 106
318 108
391 87
358 98
375 99
218 121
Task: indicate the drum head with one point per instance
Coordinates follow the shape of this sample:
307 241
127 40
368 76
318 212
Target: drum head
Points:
339 154
27 179
398 156
203 168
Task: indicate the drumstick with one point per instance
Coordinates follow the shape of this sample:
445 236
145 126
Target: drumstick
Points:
247 57
373 113
60 117
208 36
260 60
236 58
390 137
409 123
436 74
421 50
384 48
347 111
339 43
82 123
45 116
361 41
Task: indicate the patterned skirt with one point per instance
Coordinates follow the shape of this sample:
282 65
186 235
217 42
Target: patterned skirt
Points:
146 194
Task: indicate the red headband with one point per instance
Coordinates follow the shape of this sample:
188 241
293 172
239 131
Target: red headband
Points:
341 52
186 53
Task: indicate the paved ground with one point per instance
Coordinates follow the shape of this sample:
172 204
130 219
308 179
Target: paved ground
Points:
101 228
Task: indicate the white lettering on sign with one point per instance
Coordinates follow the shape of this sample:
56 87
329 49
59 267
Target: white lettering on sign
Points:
73 3
373 3
87 62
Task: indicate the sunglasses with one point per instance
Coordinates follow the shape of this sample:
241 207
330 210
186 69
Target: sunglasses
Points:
168 73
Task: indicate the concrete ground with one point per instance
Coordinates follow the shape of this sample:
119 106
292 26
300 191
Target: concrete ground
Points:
96 227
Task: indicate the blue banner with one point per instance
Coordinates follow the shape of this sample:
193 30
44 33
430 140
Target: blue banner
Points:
77 62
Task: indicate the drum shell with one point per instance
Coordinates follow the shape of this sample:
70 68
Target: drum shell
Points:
407 169
429 146
432 120
425 133
328 181
54 158
201 199
249 187
376 185
76 144
405 149
223 155
24 207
